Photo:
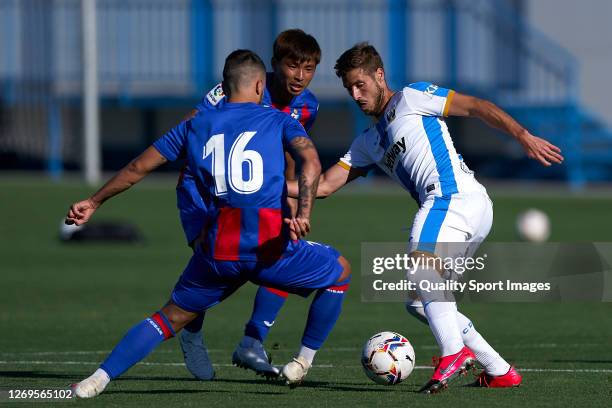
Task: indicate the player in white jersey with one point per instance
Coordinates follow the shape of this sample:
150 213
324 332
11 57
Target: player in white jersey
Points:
412 144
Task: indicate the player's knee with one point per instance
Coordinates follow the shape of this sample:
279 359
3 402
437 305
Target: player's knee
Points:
416 309
346 269
177 316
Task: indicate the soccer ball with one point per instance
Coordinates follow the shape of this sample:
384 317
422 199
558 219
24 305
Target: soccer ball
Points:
387 358
533 225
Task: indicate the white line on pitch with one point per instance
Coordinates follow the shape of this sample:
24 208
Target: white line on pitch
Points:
145 363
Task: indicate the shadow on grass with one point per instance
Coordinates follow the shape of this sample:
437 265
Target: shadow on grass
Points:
320 385
162 392
80 375
278 384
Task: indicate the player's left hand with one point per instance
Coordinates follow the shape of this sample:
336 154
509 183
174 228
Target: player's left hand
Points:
541 150
298 227
80 212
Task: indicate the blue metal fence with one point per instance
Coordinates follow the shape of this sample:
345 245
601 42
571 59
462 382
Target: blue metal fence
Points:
160 48
173 50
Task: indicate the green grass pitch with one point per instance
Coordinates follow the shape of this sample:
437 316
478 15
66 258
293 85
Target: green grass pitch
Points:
63 307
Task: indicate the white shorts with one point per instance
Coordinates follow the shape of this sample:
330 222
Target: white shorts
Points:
463 220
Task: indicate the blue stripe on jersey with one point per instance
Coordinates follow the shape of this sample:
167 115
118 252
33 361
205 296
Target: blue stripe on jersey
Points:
448 185
433 130
422 86
406 181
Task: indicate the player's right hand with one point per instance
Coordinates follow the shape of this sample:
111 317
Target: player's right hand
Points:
80 212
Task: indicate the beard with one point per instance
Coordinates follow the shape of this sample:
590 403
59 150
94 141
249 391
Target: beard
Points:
379 102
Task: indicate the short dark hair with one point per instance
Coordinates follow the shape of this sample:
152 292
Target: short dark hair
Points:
296 44
361 55
240 68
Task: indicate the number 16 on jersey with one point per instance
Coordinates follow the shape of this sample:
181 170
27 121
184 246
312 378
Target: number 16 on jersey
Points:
238 155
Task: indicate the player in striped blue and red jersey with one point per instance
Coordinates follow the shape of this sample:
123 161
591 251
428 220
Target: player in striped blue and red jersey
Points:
294 61
236 155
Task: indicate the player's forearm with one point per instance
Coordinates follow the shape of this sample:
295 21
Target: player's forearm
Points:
131 174
126 178
495 117
308 182
293 189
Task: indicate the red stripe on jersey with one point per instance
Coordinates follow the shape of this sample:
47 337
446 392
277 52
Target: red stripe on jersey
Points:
270 234
305 115
162 325
286 108
341 288
227 241
277 292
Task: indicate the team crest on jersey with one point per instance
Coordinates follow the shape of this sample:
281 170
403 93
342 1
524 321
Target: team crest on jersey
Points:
215 95
295 115
390 115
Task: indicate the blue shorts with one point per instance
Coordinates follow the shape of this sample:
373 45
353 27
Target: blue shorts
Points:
192 210
305 266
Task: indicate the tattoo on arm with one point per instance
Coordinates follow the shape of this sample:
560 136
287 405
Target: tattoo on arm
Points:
307 158
307 195
301 144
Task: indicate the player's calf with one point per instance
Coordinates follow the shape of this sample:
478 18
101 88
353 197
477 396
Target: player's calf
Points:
137 344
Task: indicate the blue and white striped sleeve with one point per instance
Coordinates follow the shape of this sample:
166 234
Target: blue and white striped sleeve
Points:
427 99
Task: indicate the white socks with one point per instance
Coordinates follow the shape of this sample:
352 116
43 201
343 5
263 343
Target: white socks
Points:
490 359
442 318
440 309
486 355
307 353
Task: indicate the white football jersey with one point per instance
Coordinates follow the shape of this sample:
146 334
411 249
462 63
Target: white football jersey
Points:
411 143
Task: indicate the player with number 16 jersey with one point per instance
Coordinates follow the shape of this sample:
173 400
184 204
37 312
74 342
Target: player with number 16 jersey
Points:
246 209
237 156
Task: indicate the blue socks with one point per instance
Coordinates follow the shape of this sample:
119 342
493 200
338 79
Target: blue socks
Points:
268 302
137 344
323 314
